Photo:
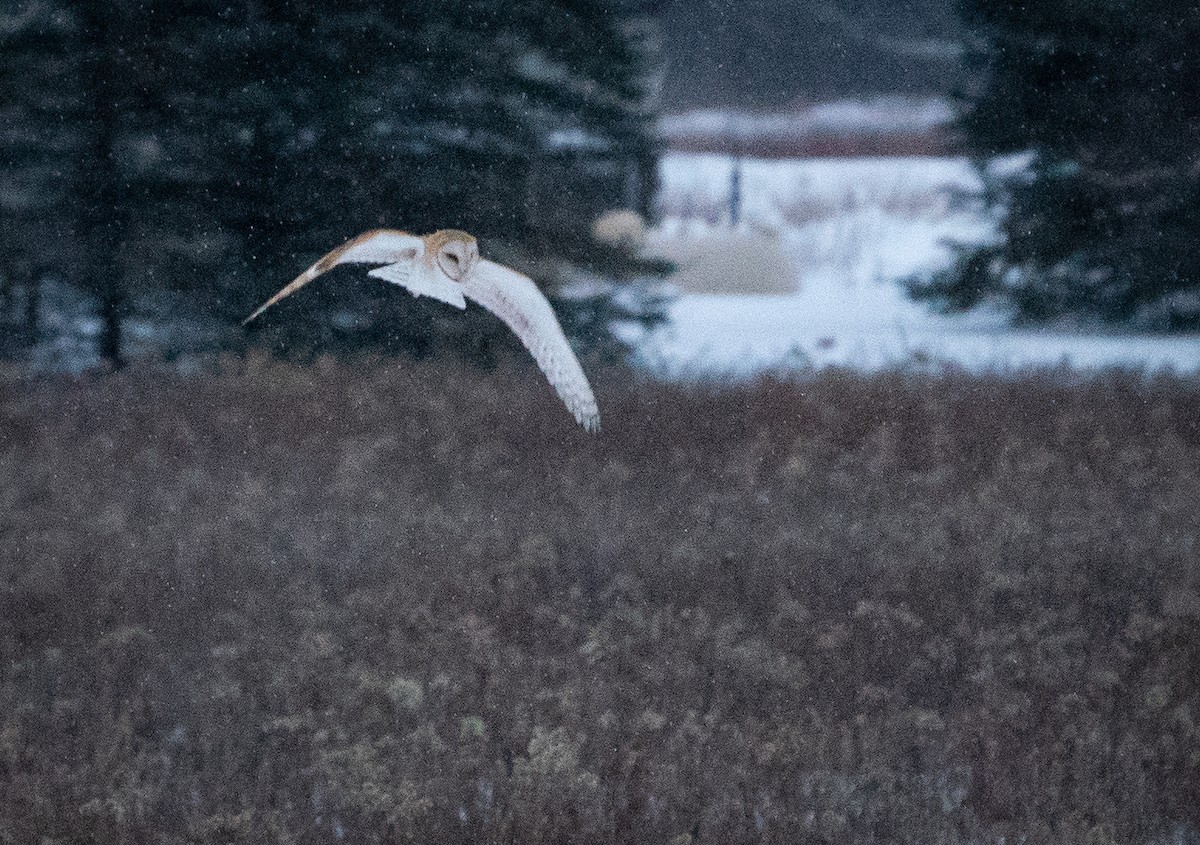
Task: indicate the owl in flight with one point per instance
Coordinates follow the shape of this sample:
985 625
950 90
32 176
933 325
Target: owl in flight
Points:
446 266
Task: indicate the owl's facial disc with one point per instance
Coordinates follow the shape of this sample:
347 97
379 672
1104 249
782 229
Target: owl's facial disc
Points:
457 259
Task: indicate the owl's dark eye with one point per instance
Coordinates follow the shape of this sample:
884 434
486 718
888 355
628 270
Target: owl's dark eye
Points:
452 257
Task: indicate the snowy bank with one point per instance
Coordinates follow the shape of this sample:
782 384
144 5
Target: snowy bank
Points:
848 231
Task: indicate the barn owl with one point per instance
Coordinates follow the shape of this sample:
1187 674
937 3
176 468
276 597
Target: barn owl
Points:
446 266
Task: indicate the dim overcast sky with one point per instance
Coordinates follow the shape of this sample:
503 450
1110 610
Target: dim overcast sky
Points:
768 54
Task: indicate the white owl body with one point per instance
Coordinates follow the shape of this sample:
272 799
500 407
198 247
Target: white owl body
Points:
422 279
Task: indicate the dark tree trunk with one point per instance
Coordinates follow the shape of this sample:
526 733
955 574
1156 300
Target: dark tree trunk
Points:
735 193
103 216
109 343
6 292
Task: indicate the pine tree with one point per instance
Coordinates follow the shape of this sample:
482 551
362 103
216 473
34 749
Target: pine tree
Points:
520 123
84 83
39 145
1103 223
106 46
217 148
517 122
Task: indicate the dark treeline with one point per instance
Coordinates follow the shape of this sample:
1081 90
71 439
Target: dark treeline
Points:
1102 225
776 54
287 604
184 159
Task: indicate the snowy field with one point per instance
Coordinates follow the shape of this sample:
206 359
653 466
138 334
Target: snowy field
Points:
810 275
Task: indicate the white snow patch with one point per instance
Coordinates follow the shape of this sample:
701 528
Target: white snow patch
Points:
746 334
851 229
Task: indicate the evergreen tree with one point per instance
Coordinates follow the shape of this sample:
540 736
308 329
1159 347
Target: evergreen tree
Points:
39 144
107 45
217 148
518 122
1104 222
90 132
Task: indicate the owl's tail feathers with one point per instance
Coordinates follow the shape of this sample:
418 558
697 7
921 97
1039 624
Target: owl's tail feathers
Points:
299 282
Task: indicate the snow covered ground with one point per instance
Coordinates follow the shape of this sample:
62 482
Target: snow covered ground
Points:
848 230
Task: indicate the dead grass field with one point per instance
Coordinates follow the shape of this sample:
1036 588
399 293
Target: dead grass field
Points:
414 603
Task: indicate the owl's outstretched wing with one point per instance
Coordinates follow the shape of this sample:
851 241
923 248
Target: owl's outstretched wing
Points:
399 251
516 300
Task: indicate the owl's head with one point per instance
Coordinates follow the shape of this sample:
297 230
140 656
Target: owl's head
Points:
457 253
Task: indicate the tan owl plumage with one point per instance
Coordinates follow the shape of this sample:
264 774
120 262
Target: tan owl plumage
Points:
446 266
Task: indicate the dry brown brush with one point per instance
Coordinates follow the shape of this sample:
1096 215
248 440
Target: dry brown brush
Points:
413 603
